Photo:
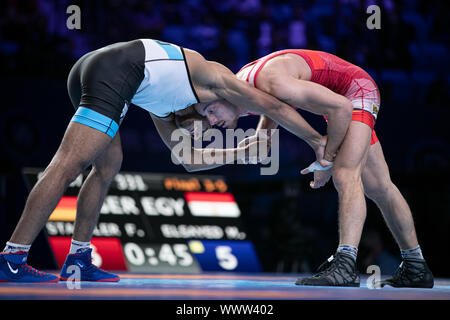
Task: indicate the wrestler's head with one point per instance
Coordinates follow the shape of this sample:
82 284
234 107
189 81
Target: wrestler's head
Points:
192 121
220 113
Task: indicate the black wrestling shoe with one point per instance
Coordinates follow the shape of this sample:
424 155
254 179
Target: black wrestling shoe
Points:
338 271
412 273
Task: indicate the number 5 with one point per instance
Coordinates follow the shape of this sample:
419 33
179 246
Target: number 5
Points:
226 259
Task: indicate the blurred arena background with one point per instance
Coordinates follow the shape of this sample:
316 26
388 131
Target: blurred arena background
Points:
292 227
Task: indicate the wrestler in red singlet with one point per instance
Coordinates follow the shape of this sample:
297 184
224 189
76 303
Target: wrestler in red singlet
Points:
337 75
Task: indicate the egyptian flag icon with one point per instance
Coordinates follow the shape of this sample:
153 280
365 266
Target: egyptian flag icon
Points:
208 204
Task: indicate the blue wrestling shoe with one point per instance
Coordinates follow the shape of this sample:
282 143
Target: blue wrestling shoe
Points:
88 271
13 268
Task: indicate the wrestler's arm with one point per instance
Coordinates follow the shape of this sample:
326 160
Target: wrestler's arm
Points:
263 131
226 85
265 123
320 100
209 157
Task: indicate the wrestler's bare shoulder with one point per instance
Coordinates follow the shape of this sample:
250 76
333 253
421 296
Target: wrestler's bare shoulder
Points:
289 63
203 75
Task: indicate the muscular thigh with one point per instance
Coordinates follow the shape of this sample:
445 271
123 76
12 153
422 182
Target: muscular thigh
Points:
375 174
80 147
354 150
110 160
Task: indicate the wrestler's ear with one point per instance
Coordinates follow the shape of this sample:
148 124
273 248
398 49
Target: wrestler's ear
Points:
186 111
183 123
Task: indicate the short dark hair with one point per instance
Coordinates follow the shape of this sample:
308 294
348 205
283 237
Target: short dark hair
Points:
182 121
187 120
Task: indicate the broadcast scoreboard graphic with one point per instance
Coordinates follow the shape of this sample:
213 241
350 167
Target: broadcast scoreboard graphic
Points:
159 223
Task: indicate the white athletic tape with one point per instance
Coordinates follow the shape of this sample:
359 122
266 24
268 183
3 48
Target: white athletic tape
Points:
316 166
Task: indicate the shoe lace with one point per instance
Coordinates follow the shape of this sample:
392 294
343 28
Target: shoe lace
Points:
335 265
327 264
407 270
89 266
29 268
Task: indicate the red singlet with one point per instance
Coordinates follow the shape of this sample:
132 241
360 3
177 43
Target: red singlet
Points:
336 74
